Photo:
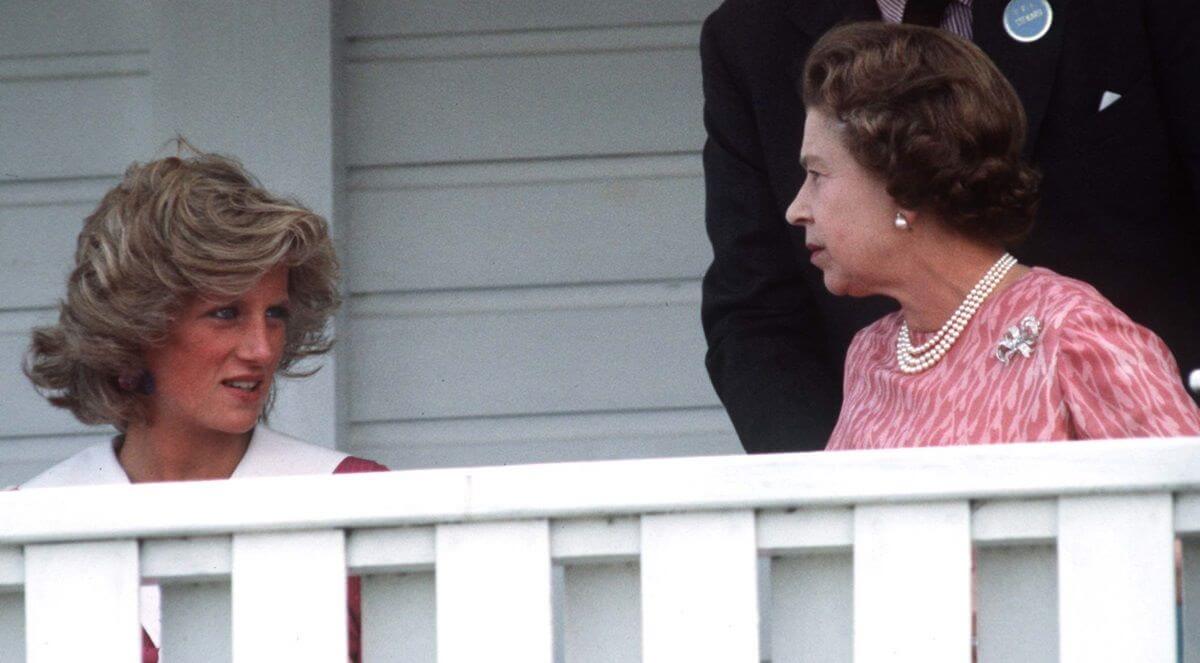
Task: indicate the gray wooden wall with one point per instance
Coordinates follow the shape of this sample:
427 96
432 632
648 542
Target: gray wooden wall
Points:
515 186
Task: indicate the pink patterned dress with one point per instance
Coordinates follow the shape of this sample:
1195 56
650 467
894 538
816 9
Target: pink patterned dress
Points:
1091 373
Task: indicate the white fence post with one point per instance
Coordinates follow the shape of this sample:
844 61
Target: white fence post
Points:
912 583
700 588
1116 571
493 592
289 597
81 602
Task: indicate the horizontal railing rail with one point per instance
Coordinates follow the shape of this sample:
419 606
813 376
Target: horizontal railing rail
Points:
1061 552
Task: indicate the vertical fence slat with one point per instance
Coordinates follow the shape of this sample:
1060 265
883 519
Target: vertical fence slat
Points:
603 614
1116 566
1017 604
1191 600
812 610
12 627
399 618
93 588
196 619
912 583
699 588
493 592
289 597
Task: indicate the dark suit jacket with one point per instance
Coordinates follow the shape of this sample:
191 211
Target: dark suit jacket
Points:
1119 206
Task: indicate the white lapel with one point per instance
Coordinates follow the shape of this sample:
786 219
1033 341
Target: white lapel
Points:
95 465
273 454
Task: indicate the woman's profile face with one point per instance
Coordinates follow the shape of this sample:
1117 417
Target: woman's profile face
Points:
847 215
214 372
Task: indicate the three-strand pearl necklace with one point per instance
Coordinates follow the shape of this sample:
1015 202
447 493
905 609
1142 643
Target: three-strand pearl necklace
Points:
924 356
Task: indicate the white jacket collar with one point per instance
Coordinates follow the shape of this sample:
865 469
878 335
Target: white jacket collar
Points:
270 454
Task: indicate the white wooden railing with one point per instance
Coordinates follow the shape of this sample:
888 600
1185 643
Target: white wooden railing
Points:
870 560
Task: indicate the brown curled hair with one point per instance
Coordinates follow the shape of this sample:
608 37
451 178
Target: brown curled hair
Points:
929 114
171 230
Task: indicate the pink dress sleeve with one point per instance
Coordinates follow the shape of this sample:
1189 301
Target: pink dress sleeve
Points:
354 465
1119 380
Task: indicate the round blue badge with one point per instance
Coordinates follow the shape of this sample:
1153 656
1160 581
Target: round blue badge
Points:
1027 20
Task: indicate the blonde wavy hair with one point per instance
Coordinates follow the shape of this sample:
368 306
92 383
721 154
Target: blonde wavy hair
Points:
171 230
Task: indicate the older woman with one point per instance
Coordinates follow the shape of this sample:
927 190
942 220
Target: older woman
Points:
914 189
193 288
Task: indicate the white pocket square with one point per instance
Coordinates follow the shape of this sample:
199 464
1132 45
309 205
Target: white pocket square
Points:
1108 98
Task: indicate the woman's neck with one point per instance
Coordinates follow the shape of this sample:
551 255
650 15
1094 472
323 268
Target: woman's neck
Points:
940 280
164 452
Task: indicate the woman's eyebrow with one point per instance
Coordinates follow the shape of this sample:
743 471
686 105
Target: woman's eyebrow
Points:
807 160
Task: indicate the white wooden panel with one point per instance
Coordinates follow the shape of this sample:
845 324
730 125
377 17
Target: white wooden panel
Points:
390 549
75 65
194 559
534 233
1187 513
399 618
37 249
1017 604
534 439
624 358
289 597
1014 521
584 540
523 43
805 530
196 623
812 611
12 627
372 17
603 616
523 107
601 489
699 588
256 83
93 587
1116 579
493 592
12 569
912 583
1190 584
73 127
44 27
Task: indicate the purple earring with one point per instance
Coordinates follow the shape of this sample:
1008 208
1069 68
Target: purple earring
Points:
141 382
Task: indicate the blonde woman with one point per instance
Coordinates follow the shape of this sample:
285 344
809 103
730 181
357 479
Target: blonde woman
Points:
193 288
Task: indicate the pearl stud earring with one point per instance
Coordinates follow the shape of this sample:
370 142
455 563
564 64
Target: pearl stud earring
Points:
901 222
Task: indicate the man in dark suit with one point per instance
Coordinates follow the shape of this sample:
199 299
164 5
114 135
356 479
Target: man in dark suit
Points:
1112 98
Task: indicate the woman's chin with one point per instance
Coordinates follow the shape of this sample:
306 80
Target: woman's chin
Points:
845 288
835 285
234 425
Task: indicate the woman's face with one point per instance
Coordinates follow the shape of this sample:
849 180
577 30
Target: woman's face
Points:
847 215
214 372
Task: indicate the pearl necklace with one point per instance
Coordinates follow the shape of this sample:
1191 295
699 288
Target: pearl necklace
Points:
921 358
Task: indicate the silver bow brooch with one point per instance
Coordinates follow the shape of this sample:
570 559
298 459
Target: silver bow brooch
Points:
1021 337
